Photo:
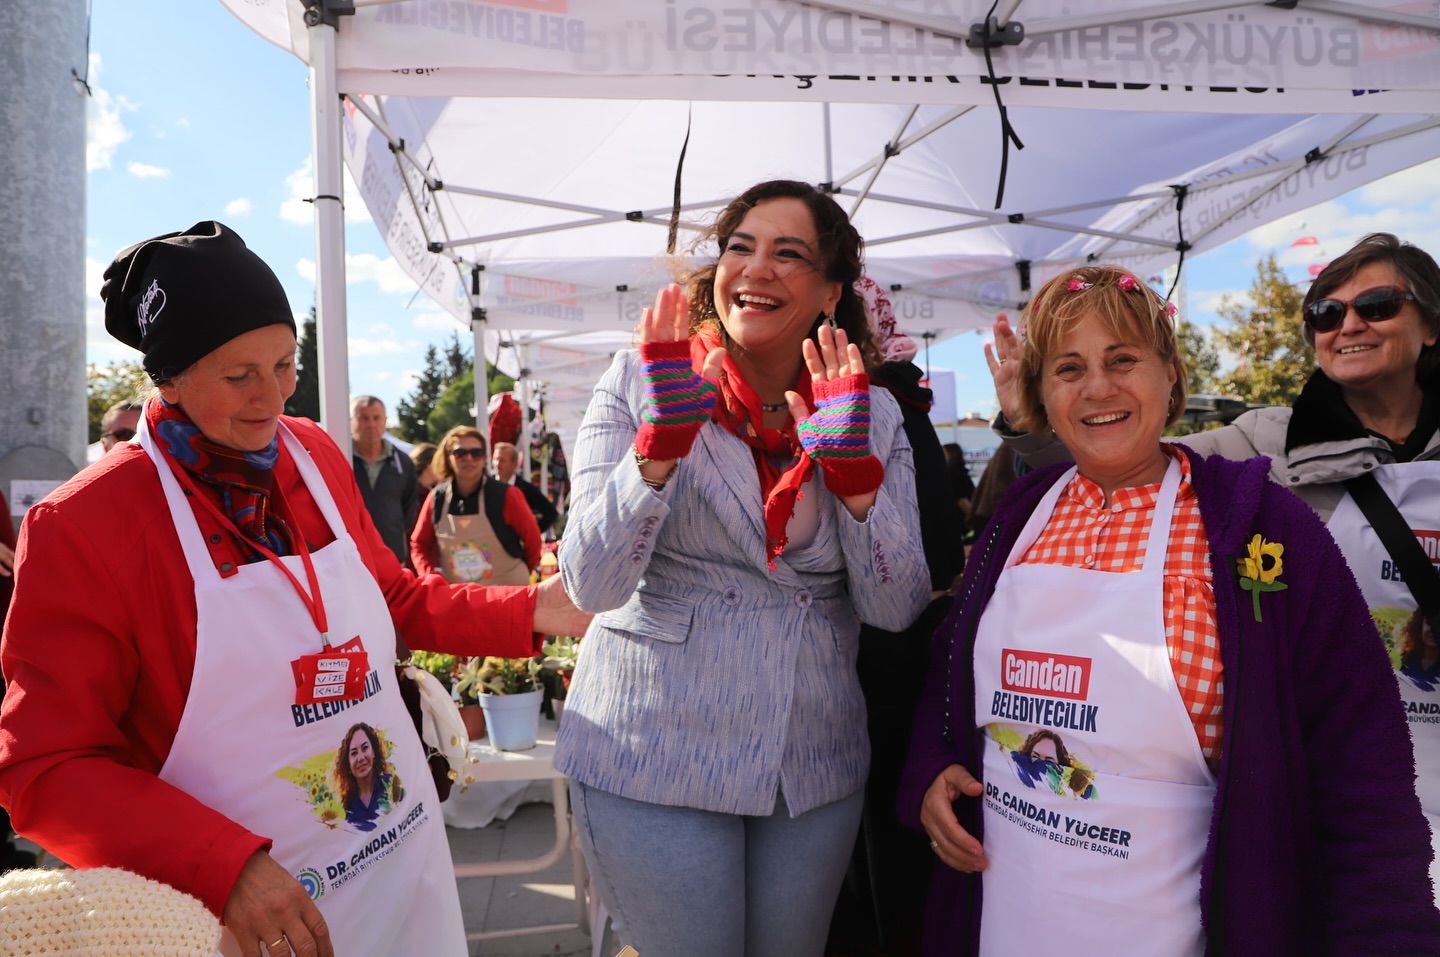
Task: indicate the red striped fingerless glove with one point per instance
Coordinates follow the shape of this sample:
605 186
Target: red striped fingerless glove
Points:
677 400
837 436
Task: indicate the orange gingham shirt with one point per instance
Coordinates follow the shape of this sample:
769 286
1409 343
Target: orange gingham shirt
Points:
1082 533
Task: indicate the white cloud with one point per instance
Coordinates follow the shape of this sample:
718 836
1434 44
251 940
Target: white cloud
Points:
1414 186
239 207
366 267
382 347
435 321
387 273
146 171
104 128
301 185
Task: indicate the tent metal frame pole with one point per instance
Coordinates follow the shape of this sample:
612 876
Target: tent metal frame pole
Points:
905 144
892 148
331 326
1279 173
482 380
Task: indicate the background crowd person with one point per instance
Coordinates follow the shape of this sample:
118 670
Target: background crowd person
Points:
960 481
1368 416
994 482
152 725
119 423
386 476
1136 577
883 897
506 461
421 457
742 501
473 528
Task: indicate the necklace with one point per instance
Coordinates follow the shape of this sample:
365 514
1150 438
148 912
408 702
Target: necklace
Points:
773 406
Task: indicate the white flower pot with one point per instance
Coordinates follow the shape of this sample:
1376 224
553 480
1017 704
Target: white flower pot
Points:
512 720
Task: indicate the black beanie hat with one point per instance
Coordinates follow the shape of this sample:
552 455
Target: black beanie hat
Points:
181 296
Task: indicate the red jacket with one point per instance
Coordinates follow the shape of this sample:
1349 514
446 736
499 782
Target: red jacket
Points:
99 649
425 550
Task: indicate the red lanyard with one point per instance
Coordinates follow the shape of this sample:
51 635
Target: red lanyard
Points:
315 605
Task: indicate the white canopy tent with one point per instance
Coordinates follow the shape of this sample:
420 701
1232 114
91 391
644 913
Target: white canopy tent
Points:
1148 130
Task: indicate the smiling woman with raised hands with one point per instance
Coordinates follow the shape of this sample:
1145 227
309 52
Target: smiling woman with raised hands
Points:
1236 774
742 501
1361 446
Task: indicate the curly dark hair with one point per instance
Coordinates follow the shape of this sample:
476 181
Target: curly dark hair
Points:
344 776
841 251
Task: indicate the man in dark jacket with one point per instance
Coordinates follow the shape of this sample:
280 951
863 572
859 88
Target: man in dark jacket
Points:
506 460
386 476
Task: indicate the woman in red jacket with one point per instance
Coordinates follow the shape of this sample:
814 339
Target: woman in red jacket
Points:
472 527
201 615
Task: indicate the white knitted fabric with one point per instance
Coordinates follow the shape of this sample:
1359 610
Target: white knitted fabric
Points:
104 912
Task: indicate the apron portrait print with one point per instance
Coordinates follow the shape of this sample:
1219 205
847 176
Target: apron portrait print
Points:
1094 776
374 859
1414 488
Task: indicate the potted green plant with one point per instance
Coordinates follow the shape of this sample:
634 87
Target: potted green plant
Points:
510 694
559 655
467 696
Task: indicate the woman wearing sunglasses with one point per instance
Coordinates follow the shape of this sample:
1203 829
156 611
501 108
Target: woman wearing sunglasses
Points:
471 529
1372 408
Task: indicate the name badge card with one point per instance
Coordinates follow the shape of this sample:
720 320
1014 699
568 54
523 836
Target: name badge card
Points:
336 674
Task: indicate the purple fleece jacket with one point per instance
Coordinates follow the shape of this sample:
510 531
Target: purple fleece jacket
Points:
1317 844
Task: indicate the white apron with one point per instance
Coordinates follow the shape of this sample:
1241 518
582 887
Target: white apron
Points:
1094 842
380 872
1414 487
470 551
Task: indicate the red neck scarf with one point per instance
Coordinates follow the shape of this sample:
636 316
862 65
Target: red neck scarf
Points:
245 481
739 411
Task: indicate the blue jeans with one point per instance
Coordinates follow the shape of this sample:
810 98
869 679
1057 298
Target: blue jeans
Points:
680 882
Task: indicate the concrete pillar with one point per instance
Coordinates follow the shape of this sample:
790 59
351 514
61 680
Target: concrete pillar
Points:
42 243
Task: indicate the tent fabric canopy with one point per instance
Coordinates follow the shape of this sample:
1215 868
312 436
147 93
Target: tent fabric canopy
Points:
1148 129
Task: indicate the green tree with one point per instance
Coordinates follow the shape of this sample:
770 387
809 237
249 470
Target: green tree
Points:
1272 359
106 385
1202 359
457 359
413 411
456 405
306 400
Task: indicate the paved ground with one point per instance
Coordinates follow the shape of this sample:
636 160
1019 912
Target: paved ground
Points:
502 903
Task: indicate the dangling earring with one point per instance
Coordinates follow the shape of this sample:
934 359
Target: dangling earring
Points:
829 319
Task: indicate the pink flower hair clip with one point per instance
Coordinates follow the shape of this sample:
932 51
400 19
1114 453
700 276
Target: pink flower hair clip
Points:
1077 285
1128 283
1170 309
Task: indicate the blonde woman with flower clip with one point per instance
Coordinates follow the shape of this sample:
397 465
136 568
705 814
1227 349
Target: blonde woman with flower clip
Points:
1189 628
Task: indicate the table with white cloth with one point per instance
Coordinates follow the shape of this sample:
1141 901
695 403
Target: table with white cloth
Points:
492 785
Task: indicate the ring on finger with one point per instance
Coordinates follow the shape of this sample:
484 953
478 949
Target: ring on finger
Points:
935 845
280 941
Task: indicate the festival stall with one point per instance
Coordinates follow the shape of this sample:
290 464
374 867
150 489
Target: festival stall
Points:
523 158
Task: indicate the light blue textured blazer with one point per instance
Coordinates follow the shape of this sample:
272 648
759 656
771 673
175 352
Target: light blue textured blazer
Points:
710 680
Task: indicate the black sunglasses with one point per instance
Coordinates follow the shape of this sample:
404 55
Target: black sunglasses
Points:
1372 305
468 453
121 435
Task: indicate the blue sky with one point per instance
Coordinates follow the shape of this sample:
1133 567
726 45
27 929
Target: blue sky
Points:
194 117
